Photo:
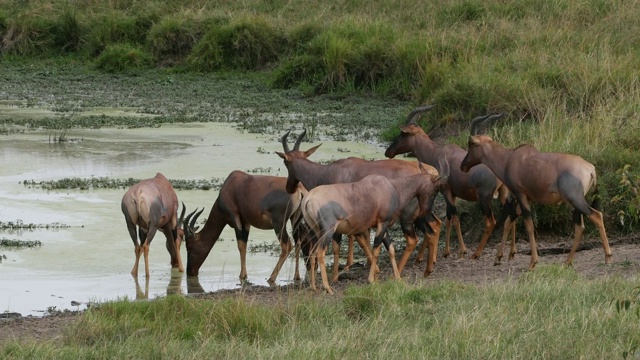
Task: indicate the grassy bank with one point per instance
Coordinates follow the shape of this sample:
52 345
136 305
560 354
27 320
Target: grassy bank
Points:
551 313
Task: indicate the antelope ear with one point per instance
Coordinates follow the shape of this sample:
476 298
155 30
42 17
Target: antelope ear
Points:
311 151
408 129
282 155
473 140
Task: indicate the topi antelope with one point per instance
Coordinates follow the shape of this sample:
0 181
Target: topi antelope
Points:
353 208
543 177
479 184
311 175
245 201
152 205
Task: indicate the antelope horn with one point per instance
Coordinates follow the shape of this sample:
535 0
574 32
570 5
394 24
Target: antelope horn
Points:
411 118
296 146
475 123
494 117
486 119
187 230
284 141
193 222
181 219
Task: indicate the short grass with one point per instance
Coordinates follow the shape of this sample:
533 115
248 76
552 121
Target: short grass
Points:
552 313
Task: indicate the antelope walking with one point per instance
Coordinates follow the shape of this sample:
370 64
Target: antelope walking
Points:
543 177
479 184
245 201
353 208
311 175
152 205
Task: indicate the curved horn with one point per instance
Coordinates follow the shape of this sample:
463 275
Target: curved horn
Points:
494 117
481 120
188 231
181 219
475 123
411 118
195 217
284 141
296 146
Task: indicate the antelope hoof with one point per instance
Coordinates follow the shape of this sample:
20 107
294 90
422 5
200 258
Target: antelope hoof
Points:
532 266
608 259
271 282
446 254
568 263
329 291
512 255
475 257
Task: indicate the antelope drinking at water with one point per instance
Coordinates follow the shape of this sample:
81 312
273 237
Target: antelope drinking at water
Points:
152 205
245 201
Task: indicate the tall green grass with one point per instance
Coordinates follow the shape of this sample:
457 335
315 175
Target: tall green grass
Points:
551 313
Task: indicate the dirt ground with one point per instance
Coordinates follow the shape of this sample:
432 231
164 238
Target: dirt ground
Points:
589 262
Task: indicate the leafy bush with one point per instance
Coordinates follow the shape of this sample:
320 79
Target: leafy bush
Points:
118 58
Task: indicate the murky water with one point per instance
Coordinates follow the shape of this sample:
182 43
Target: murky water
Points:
91 260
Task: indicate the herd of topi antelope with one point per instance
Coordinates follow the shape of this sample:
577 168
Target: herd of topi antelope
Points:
350 196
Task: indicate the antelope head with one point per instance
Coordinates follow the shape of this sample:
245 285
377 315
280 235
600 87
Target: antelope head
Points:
290 155
477 142
196 252
405 142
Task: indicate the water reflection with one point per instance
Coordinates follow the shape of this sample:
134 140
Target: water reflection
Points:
193 286
175 282
142 295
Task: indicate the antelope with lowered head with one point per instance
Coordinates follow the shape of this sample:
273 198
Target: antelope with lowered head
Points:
245 201
376 201
152 205
302 170
542 177
479 184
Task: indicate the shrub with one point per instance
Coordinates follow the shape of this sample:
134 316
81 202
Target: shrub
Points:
625 199
66 31
249 44
298 70
27 34
115 28
174 36
118 58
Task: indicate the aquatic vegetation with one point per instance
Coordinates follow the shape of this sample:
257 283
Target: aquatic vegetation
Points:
19 243
20 225
109 183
